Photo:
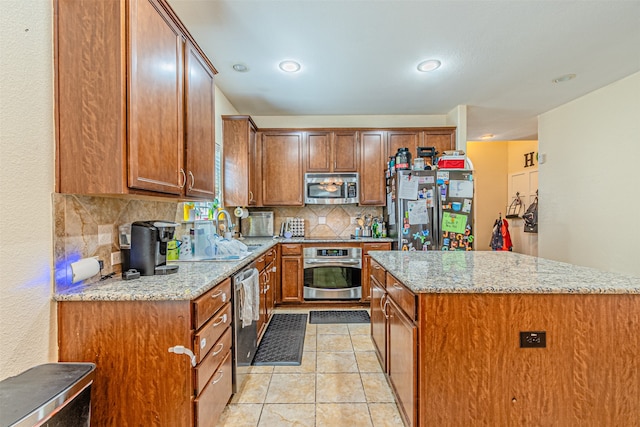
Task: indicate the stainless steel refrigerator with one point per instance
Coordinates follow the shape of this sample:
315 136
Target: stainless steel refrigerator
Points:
430 210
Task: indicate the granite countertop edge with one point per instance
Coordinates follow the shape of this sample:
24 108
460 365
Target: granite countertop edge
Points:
490 272
192 279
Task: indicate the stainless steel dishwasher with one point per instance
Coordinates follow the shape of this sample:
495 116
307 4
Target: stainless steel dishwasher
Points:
245 336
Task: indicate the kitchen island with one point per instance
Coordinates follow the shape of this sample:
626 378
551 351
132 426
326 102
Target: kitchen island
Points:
498 338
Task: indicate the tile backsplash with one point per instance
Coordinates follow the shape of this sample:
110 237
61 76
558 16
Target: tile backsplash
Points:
87 226
337 218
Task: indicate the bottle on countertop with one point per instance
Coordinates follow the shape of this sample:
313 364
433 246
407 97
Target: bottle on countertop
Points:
384 230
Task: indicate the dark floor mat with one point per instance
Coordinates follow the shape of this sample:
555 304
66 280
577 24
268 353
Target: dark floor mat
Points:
283 341
339 316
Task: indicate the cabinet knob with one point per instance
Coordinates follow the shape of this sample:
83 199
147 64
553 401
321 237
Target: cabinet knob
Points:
251 196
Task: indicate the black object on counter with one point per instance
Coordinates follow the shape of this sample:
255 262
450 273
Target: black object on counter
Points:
56 393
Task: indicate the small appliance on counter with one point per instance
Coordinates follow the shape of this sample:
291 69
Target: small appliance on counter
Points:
149 247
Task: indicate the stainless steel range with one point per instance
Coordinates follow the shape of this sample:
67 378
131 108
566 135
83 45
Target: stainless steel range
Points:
332 273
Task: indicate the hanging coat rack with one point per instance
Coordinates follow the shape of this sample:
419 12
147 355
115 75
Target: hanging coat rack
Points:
514 210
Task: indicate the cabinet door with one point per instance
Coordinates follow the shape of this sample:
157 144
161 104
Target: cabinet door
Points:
291 279
372 167
403 348
318 151
282 169
241 161
379 321
200 134
155 88
403 139
255 168
345 151
442 139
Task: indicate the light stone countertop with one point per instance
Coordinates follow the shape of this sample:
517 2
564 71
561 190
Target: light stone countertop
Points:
192 279
499 272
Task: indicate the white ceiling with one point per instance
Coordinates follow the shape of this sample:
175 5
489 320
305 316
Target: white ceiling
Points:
359 57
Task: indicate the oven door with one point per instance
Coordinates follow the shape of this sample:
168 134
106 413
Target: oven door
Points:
332 281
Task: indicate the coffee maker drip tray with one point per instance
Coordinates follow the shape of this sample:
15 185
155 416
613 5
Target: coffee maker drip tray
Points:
166 269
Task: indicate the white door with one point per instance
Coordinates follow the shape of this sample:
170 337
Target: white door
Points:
525 183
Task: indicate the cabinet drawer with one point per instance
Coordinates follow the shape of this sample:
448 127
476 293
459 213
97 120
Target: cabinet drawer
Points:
206 338
211 361
378 272
206 305
211 402
366 247
405 299
288 249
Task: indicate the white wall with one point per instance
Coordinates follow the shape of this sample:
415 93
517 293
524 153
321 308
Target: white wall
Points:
222 108
27 313
589 210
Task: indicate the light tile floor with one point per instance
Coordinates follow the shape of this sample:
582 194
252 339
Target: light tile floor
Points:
339 383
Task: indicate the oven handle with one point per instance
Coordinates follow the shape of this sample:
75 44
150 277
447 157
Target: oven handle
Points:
330 261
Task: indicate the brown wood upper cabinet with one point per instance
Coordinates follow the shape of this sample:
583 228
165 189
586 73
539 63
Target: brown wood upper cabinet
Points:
242 165
372 167
134 101
442 138
282 168
328 151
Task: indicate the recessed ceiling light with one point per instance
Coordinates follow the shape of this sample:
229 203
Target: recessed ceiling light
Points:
429 65
240 68
564 78
289 66
487 136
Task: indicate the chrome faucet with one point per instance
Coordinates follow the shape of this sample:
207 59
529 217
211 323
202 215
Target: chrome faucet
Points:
227 231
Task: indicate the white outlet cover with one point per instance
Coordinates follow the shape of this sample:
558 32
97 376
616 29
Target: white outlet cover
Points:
322 220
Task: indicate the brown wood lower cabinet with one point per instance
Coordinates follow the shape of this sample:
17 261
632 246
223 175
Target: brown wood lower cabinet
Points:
139 381
402 365
291 273
455 359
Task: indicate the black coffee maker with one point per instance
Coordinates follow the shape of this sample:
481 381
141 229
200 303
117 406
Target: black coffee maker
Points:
149 247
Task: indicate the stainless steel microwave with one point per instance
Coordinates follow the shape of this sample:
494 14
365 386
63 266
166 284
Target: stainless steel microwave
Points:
331 188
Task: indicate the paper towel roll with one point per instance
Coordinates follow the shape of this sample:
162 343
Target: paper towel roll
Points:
83 269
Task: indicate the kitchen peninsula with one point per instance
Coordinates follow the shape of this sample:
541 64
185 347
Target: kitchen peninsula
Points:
499 338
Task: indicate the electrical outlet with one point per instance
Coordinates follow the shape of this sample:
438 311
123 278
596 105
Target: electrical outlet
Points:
533 339
322 220
354 220
115 258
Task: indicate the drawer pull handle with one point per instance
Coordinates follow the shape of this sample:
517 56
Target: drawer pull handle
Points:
180 349
217 294
395 285
219 378
216 352
223 319
377 267
203 343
